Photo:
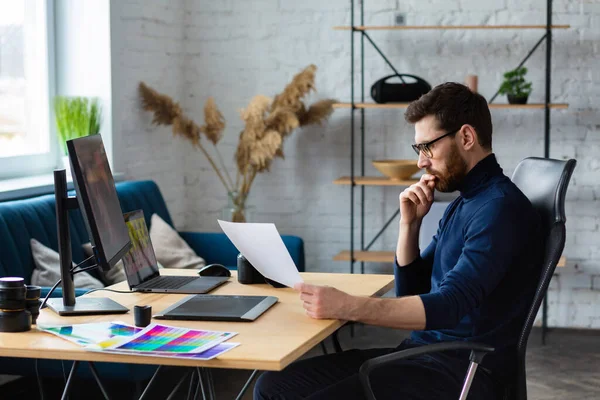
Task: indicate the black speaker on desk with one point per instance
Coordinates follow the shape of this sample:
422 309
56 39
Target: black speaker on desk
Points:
248 275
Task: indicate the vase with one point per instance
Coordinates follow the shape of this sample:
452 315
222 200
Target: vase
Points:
236 209
512 99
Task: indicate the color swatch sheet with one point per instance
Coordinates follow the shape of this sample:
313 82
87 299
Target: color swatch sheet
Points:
92 334
100 336
204 355
169 339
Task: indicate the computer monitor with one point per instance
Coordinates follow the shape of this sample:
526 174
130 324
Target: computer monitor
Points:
96 197
98 201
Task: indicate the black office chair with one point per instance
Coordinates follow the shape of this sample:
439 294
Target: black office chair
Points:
544 182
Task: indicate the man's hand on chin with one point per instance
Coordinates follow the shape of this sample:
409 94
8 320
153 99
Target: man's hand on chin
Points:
324 302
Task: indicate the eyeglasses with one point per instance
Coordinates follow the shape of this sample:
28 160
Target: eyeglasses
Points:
424 147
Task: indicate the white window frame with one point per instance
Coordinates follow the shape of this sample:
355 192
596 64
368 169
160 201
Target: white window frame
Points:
36 164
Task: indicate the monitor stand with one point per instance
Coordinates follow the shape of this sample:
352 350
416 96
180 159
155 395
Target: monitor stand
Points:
87 306
67 306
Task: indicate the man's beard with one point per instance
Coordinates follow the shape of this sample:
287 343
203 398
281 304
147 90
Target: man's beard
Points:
455 174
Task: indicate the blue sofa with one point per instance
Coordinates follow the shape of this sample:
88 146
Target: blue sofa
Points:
22 220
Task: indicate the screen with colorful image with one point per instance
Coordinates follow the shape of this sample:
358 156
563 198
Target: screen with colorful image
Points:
140 261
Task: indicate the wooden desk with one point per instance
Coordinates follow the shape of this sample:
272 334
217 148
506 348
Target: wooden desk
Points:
277 338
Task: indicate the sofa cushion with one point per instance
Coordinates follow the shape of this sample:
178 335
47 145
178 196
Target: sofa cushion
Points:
170 249
47 269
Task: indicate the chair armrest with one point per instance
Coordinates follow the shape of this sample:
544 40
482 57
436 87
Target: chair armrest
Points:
376 362
58 292
217 248
478 351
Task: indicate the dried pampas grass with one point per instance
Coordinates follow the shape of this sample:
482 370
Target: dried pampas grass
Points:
263 151
164 108
254 117
188 129
301 85
317 113
267 122
214 121
168 112
282 120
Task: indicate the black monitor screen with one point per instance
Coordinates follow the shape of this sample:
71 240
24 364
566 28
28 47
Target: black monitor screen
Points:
98 199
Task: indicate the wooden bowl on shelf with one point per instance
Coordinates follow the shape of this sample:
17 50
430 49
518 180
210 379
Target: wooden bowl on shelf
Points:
397 170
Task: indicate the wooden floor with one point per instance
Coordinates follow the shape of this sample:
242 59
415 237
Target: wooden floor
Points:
568 367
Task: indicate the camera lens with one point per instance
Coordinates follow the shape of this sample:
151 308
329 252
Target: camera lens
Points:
15 321
12 293
32 301
12 282
33 292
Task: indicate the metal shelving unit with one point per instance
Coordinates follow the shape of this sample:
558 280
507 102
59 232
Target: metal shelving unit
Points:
363 254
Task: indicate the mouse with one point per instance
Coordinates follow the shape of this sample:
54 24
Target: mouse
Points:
214 270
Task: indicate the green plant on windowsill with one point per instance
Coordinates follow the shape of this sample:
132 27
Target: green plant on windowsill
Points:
76 117
515 87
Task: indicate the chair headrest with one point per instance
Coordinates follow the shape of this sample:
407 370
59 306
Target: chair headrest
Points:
544 181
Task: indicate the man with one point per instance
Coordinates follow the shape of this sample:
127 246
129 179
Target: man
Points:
474 282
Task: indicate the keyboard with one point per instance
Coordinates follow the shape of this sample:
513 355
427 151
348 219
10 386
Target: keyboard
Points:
167 282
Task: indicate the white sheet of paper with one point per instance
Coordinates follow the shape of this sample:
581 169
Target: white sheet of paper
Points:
263 247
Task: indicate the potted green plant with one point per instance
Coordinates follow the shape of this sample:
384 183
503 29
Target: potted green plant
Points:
76 117
515 87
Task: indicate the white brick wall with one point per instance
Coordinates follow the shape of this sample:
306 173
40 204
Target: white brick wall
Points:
233 50
147 45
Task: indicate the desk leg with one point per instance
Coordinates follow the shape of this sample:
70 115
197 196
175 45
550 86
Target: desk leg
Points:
192 385
171 373
151 382
176 388
95 373
248 382
210 383
65 394
39 379
204 385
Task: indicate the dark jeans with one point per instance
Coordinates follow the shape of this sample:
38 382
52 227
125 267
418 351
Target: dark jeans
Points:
335 376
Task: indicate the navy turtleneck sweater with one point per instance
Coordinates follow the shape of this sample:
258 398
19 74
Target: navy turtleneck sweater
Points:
478 276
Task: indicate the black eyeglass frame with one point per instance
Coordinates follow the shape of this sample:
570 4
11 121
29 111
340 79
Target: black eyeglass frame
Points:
424 147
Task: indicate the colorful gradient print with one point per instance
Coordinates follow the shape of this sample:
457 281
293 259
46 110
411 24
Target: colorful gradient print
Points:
168 339
95 333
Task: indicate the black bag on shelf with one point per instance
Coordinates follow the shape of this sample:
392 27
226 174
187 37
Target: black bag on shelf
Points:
402 92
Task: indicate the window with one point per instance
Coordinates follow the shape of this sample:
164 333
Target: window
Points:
26 86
